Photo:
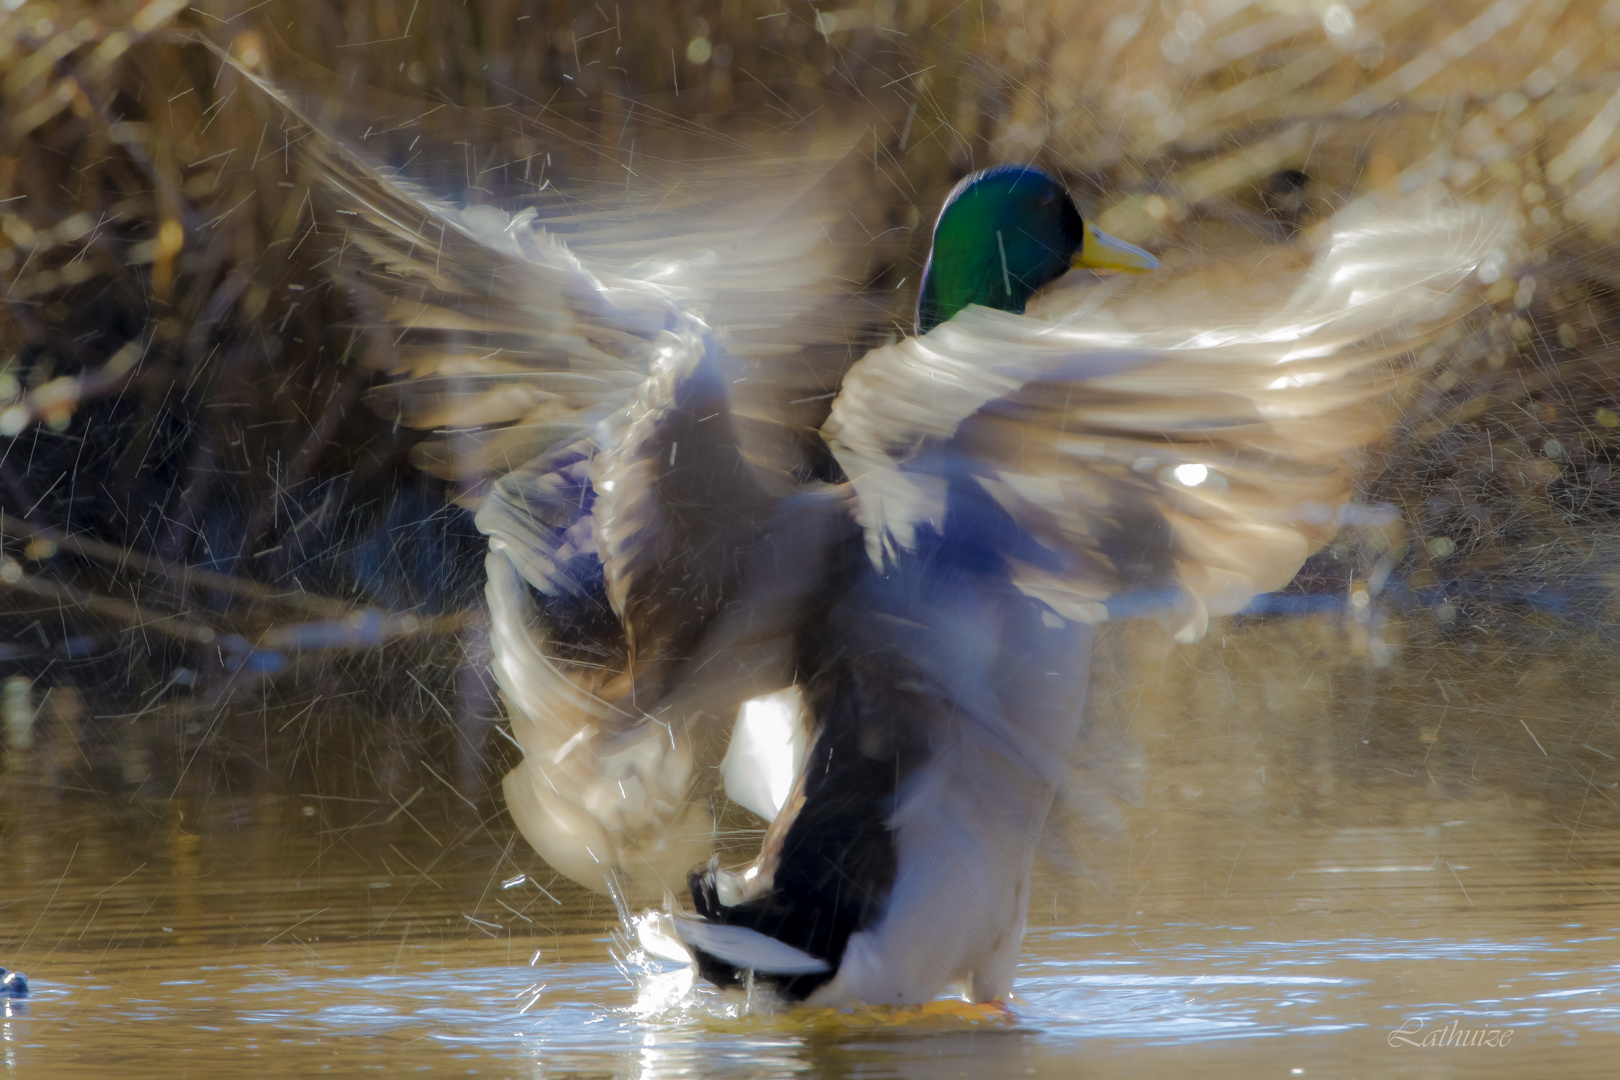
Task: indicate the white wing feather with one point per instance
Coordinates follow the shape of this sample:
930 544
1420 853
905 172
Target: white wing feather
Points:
1183 448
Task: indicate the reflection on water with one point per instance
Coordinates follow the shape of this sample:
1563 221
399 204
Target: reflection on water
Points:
1325 852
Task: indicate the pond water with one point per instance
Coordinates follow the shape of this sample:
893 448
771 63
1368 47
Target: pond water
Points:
1332 853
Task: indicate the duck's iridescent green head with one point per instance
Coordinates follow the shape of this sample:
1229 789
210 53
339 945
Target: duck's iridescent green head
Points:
1003 234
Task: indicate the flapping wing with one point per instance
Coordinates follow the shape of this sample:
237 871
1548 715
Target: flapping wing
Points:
1180 449
509 329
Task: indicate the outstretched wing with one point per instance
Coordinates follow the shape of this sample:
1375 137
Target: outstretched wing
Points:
1177 449
516 330
508 325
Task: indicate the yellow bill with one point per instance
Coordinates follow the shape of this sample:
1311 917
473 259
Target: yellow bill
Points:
1103 252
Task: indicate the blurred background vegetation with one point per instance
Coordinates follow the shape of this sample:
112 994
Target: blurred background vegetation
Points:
215 551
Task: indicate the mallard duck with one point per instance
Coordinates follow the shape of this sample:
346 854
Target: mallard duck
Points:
885 654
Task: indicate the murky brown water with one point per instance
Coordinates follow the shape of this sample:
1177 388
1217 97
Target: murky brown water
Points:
1324 851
